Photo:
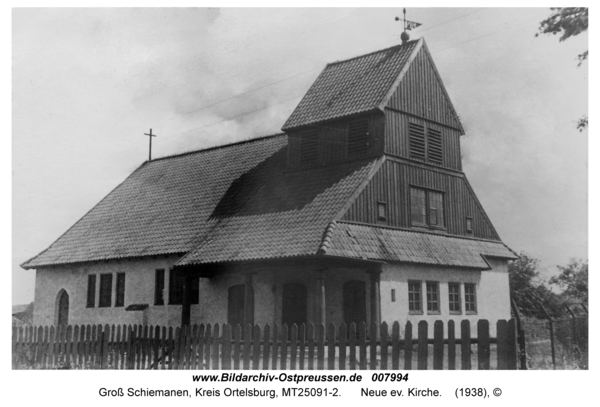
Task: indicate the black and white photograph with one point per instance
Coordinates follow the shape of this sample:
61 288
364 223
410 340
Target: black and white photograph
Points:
299 189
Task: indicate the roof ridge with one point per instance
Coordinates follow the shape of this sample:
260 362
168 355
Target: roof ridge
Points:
371 53
249 140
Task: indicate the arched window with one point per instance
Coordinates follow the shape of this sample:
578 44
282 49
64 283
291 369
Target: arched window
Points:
293 304
62 308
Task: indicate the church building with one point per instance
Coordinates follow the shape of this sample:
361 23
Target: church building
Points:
358 211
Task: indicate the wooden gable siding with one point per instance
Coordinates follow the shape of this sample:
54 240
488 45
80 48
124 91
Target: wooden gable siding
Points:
421 93
397 140
391 184
333 141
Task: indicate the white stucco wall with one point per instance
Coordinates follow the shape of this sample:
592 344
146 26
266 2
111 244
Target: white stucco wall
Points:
139 289
492 294
491 289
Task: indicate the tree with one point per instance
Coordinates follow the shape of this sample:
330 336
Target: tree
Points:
573 279
528 290
569 22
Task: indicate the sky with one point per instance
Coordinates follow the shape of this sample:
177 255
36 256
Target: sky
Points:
88 83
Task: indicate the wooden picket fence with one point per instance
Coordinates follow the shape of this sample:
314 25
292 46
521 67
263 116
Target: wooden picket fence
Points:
304 347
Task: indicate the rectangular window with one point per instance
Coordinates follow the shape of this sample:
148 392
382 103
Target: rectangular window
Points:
91 291
358 138
393 295
426 208
418 206
433 297
469 224
120 300
105 290
470 299
309 147
414 297
454 298
159 287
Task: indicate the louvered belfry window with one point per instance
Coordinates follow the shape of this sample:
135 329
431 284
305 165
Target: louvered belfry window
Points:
426 144
417 141
358 138
434 145
309 147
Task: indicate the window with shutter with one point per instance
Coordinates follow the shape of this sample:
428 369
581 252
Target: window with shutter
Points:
358 138
417 141
309 147
120 300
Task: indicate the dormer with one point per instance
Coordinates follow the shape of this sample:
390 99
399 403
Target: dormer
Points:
390 101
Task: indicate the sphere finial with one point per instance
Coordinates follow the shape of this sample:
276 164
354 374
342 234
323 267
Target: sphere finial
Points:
404 37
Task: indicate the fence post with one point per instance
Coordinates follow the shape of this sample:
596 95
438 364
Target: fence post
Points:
320 331
408 346
343 336
396 346
438 345
451 346
483 344
520 335
266 346
331 346
422 345
502 344
384 346
256 347
511 345
465 344
293 346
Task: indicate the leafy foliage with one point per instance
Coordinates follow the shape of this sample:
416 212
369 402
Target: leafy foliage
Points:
528 290
573 279
569 22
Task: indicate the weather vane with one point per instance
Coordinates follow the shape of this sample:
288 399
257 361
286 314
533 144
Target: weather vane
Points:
408 25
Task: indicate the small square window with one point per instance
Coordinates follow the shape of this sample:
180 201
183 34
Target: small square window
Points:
381 210
469 224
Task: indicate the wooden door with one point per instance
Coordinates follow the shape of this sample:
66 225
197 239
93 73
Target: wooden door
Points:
294 304
235 305
355 305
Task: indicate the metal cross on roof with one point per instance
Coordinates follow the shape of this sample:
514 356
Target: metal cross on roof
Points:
150 135
408 25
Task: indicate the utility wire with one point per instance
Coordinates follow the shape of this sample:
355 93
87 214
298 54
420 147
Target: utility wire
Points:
297 97
312 70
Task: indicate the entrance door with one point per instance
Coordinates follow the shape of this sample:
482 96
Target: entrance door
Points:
235 306
294 304
63 309
355 305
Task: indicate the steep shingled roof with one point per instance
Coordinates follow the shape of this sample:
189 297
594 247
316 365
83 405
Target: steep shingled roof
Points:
353 86
163 207
230 203
387 244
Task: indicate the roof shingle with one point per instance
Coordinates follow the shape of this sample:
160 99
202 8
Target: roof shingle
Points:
386 244
354 86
